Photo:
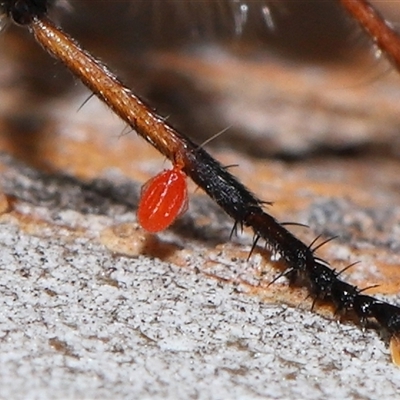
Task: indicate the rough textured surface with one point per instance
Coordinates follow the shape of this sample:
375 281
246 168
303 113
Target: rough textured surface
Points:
93 307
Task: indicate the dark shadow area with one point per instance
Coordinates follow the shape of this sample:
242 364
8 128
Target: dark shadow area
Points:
123 33
58 192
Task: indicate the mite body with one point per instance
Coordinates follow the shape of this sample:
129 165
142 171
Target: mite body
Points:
163 199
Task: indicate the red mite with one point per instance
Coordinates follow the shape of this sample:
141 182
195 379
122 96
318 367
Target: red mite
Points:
163 199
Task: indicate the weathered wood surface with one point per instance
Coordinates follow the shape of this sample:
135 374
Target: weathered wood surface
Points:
93 306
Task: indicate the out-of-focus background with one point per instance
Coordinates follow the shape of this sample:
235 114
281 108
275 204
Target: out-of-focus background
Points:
93 306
